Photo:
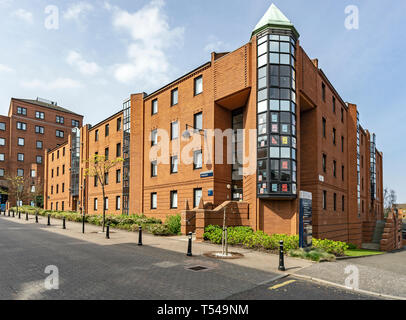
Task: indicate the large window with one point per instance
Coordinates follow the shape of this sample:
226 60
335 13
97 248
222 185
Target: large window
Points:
154 201
324 200
197 196
21 142
39 159
198 85
2 157
324 163
118 203
60 134
95 204
75 123
198 121
60 119
118 176
119 124
118 150
20 172
40 115
39 130
2 172
174 130
174 97
22 111
276 122
197 160
154 106
21 126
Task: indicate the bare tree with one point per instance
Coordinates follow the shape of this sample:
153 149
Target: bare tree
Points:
99 167
390 199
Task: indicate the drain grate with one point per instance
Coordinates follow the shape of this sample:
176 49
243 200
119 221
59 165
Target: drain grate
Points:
198 268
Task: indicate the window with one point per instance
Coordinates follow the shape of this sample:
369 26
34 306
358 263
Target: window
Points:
342 173
174 164
324 127
63 187
52 189
52 206
174 199
335 201
197 196
53 156
40 115
323 91
2 142
198 121
21 126
118 150
39 144
20 157
154 106
106 203
33 173
22 111
20 172
63 169
96 181
174 97
118 176
342 144
154 169
106 179
95 204
197 160
2 172
342 115
52 173
343 203
174 130
63 151
2 126
107 130
335 168
21 142
63 205
324 163
334 105
60 119
57 171
118 203
154 201
57 154
60 134
57 206
334 135
2 156
106 153
324 200
119 124
75 123
154 137
57 188
198 85
96 135
39 159
39 130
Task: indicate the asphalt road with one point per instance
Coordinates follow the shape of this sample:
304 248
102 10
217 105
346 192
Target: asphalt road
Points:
126 272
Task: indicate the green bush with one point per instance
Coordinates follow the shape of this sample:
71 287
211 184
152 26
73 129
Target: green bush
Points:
334 247
313 254
173 223
159 230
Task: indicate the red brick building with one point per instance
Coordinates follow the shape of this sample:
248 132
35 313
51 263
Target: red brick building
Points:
31 127
306 138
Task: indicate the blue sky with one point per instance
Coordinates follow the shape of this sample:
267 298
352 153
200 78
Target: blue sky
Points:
97 55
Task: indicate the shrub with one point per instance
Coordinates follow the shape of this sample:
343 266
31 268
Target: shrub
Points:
334 247
159 229
173 223
313 254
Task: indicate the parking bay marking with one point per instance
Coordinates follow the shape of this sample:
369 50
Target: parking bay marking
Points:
281 285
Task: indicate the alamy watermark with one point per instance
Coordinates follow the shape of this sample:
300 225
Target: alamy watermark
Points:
352 20
352 281
52 281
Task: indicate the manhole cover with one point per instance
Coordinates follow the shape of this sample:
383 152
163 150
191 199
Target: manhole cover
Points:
198 268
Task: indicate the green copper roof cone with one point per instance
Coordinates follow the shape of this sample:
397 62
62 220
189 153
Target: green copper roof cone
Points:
276 19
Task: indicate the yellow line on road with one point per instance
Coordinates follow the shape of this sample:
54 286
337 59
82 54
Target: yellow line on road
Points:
281 285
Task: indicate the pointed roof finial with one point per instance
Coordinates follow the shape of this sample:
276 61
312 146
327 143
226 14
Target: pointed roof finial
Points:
276 19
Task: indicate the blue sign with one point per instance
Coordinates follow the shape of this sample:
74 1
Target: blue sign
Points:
210 193
305 220
207 174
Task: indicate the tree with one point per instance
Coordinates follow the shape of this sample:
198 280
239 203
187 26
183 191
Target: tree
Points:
18 188
390 199
37 192
99 167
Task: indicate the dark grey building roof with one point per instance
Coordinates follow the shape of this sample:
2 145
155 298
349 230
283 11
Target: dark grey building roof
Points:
48 105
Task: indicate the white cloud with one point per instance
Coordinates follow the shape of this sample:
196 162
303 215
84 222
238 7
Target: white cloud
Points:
77 10
86 68
151 35
216 45
4 68
23 15
60 83
6 3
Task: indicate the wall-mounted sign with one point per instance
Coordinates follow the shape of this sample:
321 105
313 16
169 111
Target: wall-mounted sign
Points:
210 193
206 174
305 220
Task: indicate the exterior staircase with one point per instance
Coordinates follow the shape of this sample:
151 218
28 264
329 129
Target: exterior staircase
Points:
376 238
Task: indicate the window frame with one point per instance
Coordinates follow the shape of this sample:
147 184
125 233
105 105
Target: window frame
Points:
195 85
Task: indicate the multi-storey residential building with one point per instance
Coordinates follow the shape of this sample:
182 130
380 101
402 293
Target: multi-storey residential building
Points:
31 127
105 138
270 109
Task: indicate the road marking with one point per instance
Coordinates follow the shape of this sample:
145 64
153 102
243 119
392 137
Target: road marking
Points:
281 285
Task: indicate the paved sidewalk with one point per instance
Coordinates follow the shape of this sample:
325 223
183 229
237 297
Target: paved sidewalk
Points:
252 259
383 275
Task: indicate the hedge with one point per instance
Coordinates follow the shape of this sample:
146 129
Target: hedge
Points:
246 237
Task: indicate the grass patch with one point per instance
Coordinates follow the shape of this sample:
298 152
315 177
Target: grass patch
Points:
361 253
313 255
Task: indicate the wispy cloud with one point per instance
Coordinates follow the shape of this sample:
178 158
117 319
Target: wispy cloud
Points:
23 15
151 36
4 68
60 83
86 68
78 10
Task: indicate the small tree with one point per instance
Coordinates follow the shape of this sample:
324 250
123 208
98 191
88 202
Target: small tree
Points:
390 199
99 167
18 188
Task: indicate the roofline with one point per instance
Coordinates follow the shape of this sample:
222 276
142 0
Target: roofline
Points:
177 80
105 120
277 26
33 102
331 85
57 147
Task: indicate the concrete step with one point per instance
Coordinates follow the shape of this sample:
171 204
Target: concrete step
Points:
377 236
371 246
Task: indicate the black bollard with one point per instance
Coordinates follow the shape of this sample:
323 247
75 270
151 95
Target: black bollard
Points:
140 236
281 257
189 247
49 220
64 223
9 213
108 231
36 217
26 216
19 214
13 214
83 224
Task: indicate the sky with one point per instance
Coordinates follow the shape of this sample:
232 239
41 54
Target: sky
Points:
89 56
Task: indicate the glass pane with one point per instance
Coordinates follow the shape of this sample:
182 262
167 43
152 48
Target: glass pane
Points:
285 152
262 106
274 117
274 58
285 59
274 128
262 49
285 82
274 37
274 153
262 83
262 153
274 93
285 94
274 46
285 38
261 72
285 105
274 105
262 60
274 70
262 118
262 141
275 140
274 81
262 129
285 117
285 71
285 47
